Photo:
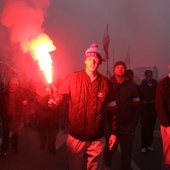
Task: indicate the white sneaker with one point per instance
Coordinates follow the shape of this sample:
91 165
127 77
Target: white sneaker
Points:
143 150
150 148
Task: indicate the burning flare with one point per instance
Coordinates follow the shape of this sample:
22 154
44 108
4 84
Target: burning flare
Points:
40 49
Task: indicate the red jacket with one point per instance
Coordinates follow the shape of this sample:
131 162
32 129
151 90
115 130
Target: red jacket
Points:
163 101
87 103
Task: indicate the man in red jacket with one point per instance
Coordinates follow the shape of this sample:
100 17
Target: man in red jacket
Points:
89 94
163 111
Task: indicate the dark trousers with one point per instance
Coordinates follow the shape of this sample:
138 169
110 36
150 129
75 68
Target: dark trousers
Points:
47 127
10 123
62 117
126 138
148 120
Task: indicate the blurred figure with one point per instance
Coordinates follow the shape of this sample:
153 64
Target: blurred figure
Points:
148 112
163 111
12 101
47 119
62 110
128 106
62 114
129 75
30 110
155 73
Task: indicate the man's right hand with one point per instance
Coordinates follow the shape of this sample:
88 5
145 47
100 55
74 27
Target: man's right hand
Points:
53 103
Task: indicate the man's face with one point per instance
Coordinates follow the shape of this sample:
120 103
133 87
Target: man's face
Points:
119 70
92 64
149 76
13 85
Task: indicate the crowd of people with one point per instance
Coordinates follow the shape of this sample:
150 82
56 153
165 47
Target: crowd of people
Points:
101 113
27 105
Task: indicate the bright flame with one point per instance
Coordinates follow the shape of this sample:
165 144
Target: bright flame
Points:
39 48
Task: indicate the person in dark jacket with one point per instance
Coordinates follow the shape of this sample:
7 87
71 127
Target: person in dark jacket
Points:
12 101
148 112
89 94
128 107
46 119
163 111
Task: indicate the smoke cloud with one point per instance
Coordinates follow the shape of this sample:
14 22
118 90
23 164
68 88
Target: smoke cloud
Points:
23 20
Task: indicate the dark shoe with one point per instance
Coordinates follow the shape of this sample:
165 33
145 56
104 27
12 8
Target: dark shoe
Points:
52 151
15 150
3 155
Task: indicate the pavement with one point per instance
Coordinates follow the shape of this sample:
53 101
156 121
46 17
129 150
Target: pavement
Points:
31 157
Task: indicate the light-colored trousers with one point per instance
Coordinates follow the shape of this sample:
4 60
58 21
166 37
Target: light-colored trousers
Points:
166 146
87 154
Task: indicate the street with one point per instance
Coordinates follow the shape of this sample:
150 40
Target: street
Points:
31 157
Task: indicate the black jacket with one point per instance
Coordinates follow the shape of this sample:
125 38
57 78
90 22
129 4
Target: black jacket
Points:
148 92
4 102
128 102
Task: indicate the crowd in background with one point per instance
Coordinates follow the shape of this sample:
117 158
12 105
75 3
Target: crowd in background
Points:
28 104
